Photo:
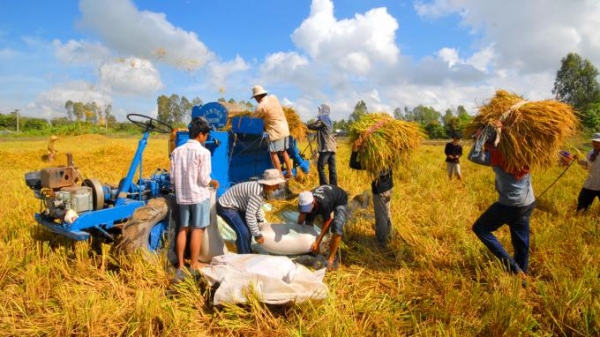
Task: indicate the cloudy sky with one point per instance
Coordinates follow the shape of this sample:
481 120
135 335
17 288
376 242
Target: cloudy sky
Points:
389 53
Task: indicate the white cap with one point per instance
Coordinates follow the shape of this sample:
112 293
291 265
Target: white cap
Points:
305 202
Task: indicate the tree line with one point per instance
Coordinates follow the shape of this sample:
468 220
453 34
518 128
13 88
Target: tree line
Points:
576 83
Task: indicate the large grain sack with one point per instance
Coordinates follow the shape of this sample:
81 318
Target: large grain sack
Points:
532 133
288 238
212 242
386 142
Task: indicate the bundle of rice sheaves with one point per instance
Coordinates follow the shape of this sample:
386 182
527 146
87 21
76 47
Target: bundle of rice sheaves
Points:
532 133
386 142
298 130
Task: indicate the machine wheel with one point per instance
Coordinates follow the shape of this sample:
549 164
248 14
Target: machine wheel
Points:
97 192
136 231
149 124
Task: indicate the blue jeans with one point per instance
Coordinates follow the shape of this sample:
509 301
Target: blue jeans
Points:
327 158
237 221
517 219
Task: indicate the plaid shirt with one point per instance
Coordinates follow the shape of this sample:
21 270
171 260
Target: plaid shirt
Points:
190 172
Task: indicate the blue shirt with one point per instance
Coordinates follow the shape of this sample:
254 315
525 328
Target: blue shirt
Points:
513 192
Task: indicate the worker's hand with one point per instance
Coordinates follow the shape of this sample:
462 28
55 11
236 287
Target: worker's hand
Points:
260 240
215 184
315 247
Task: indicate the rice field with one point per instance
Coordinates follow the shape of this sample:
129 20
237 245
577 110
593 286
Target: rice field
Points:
436 279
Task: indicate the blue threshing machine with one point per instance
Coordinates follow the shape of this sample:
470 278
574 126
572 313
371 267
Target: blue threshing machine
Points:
82 208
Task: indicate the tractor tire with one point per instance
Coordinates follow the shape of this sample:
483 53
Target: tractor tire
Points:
135 233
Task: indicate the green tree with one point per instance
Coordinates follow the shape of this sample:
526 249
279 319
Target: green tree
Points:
398 114
447 116
164 109
69 108
435 130
78 111
425 115
576 84
359 110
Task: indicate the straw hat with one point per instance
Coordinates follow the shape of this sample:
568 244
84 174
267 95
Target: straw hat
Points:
271 177
53 137
258 90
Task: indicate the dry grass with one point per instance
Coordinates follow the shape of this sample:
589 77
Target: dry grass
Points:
442 281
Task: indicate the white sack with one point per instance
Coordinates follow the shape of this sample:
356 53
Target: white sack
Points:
212 242
288 238
275 279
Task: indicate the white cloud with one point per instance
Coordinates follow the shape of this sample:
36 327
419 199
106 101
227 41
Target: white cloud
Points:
80 52
358 42
143 34
131 76
51 103
219 72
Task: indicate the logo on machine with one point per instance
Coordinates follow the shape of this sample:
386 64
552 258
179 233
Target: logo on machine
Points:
214 112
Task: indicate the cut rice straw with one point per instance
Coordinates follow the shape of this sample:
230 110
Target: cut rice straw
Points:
386 142
532 133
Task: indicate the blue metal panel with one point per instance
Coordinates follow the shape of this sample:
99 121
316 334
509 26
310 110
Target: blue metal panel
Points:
247 125
105 217
53 226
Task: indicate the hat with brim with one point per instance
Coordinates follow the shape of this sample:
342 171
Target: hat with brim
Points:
596 137
258 90
271 177
305 202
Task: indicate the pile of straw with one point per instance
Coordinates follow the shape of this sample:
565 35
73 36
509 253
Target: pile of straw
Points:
298 130
386 142
532 133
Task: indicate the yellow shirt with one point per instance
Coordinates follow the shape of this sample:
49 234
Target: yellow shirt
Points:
272 114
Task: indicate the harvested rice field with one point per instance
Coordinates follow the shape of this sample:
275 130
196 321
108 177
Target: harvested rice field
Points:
435 279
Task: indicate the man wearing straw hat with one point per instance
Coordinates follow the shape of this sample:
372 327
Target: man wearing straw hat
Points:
276 127
52 148
240 208
591 187
326 145
515 204
324 200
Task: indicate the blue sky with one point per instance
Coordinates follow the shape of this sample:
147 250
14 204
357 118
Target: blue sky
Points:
439 53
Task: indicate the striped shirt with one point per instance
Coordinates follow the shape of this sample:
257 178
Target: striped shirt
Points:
190 172
246 197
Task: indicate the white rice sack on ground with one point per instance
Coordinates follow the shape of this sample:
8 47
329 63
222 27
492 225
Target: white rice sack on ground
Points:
288 238
275 279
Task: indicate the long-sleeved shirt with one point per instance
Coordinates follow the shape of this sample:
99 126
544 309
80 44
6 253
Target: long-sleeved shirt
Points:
246 197
190 172
593 180
272 113
325 135
452 149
